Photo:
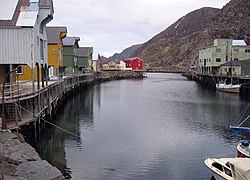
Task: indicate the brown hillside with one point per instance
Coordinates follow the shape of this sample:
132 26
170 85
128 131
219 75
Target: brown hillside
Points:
181 41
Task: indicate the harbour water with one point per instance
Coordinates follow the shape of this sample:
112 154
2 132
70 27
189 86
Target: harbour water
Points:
159 127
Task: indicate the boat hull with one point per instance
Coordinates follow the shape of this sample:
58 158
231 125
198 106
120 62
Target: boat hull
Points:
218 175
228 88
243 151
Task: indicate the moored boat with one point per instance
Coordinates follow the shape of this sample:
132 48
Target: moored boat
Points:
229 168
243 149
231 88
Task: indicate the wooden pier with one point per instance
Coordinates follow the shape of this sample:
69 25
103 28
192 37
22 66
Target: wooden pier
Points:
26 105
211 81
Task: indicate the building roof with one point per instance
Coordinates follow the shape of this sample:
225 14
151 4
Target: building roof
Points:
53 33
46 4
27 18
9 9
22 12
239 43
12 9
84 51
232 63
70 41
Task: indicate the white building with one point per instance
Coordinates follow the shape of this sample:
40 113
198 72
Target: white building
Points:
23 37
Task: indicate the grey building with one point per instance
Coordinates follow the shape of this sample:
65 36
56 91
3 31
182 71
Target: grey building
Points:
223 51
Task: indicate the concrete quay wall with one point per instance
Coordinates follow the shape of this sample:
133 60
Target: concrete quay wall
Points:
211 81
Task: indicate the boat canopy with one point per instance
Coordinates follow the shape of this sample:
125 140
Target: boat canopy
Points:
237 129
241 168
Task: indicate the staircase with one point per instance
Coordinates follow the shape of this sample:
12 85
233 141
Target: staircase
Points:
13 112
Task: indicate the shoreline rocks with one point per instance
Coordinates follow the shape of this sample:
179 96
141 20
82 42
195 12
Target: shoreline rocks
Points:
21 161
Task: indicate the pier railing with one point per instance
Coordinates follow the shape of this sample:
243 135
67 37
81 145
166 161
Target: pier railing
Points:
24 97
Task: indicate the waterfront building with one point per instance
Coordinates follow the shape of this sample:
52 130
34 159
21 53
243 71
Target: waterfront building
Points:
95 65
24 39
85 56
70 61
115 65
223 51
55 49
135 63
111 65
240 69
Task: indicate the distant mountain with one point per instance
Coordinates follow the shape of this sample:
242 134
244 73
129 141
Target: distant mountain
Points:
126 53
170 49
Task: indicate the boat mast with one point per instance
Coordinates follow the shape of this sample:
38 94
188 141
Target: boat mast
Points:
231 73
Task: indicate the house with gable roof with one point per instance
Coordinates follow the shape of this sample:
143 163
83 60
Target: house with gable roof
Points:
55 49
237 68
24 38
70 61
136 64
85 57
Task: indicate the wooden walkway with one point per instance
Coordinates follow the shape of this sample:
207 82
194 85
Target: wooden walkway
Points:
26 104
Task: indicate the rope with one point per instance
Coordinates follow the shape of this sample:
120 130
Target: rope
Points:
214 79
242 114
73 134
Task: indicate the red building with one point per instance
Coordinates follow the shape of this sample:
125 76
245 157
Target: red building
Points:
135 63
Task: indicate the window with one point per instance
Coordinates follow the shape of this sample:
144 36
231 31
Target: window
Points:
41 49
37 39
236 59
218 50
228 172
247 50
217 166
218 60
236 50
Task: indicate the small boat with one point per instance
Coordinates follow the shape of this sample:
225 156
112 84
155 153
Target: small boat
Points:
229 168
243 149
231 88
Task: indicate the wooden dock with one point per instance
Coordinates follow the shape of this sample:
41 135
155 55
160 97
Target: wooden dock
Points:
25 104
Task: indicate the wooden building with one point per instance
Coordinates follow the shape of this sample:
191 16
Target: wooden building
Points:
135 63
70 60
85 57
55 49
24 39
240 68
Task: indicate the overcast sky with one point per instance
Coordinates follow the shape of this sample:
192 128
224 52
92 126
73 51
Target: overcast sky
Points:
110 26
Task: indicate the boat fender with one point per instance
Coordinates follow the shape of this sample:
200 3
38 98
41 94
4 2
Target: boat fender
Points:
245 143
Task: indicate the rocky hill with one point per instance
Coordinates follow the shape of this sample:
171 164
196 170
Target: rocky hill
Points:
126 53
170 49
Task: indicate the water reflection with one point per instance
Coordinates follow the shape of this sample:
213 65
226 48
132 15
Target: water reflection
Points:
161 127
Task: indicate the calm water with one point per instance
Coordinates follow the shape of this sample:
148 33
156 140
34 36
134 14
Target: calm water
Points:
160 127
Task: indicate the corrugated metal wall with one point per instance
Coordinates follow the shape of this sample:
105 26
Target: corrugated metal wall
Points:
16 45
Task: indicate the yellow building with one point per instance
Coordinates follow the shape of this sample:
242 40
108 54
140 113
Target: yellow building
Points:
55 50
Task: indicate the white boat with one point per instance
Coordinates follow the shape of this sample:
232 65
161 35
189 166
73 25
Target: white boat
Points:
243 149
229 168
232 88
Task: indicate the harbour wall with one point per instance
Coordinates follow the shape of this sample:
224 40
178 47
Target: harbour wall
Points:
211 81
